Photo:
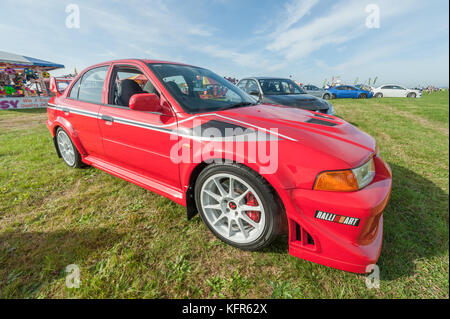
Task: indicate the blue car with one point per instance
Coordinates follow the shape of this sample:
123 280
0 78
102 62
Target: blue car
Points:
348 91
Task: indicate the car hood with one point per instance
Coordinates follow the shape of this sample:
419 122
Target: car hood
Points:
326 134
304 101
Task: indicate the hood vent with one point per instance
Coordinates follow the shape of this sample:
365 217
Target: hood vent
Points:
320 122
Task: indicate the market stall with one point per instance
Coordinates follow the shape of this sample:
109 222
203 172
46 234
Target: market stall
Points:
23 81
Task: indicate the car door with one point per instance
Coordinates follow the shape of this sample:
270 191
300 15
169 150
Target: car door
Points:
400 91
137 140
387 91
82 105
351 92
341 92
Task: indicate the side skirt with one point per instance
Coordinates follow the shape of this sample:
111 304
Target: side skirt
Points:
174 194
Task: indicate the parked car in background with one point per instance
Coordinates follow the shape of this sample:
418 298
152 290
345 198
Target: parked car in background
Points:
348 91
364 87
392 90
281 91
316 91
150 123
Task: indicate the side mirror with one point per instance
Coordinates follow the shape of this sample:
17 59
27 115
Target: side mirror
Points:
148 102
53 86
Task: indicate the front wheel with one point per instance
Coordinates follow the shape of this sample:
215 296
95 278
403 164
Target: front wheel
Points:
238 206
362 96
379 95
411 95
327 96
67 149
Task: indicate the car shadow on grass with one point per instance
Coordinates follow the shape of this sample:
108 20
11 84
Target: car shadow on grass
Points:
415 224
30 261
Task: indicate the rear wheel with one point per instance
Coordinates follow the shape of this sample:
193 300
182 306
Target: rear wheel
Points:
67 149
379 95
238 206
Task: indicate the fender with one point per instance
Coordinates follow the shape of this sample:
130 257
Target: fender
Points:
62 122
189 173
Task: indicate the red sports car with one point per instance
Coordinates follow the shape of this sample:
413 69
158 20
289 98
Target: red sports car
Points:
251 170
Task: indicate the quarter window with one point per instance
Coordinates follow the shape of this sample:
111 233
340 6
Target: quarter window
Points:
74 91
91 86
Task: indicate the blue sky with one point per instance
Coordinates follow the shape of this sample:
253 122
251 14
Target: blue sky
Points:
310 40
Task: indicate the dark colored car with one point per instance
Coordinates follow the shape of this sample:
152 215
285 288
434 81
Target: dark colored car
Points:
281 91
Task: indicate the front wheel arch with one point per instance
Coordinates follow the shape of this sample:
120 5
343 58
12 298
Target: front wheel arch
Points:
191 204
272 198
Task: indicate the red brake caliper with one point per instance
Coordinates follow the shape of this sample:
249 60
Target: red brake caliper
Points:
251 201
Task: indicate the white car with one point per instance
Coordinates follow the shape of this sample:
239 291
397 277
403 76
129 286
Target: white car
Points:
395 91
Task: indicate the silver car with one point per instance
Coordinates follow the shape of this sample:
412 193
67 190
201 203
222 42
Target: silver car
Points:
314 90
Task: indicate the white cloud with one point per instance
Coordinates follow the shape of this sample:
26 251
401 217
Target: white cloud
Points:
344 22
294 11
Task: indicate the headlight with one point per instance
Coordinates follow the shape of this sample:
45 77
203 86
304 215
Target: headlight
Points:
365 173
346 180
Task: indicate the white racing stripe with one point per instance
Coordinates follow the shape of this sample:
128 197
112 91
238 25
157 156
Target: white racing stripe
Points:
162 128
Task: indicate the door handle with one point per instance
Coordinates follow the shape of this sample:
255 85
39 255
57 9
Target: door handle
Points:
107 118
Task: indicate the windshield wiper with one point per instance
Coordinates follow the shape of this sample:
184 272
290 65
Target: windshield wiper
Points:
240 104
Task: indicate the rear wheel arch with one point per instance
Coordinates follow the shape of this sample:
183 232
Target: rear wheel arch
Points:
65 125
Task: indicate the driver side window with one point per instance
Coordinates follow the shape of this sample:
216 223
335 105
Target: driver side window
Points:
127 81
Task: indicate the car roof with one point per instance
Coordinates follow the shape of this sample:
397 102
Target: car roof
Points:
147 61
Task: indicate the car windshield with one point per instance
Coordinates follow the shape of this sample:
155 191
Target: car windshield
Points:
280 87
199 90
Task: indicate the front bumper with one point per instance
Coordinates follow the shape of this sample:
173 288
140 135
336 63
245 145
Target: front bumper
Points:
337 244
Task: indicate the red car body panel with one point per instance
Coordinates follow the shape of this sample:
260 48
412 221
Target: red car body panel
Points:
136 146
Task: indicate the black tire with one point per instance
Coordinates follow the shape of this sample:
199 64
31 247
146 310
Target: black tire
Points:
379 95
333 96
77 163
326 96
362 96
411 95
275 220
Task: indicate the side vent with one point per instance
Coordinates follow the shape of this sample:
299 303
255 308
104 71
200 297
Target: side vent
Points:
301 237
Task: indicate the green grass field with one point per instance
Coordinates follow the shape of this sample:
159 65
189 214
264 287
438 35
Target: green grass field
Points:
131 243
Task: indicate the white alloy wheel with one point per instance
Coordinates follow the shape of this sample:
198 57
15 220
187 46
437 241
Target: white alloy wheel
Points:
232 208
66 148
